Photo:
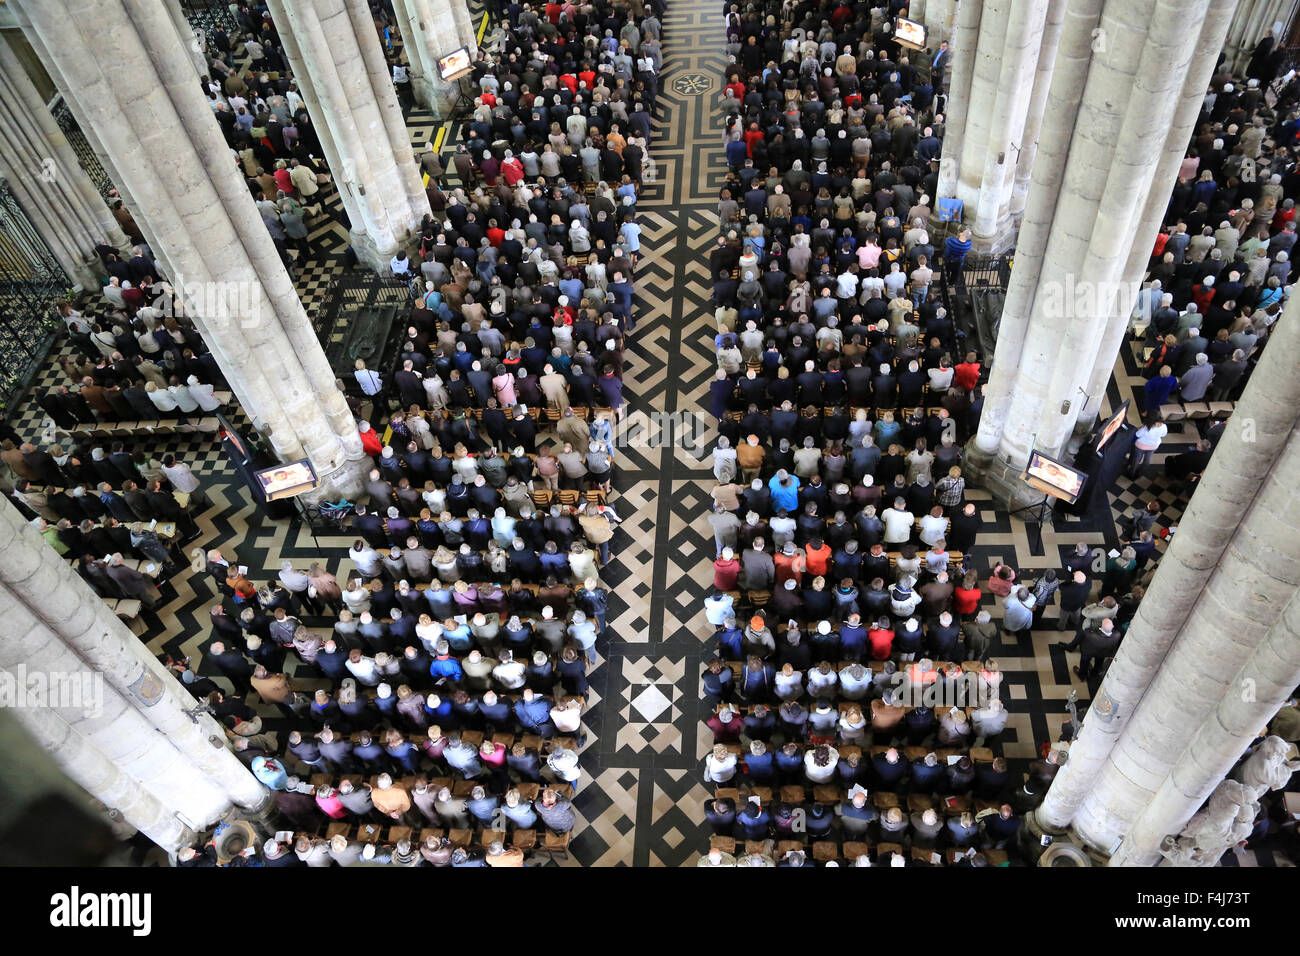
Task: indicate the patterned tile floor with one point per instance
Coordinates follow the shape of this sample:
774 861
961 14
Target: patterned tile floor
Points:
640 800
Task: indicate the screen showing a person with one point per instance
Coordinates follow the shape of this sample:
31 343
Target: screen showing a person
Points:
909 32
1062 478
288 479
1111 427
454 63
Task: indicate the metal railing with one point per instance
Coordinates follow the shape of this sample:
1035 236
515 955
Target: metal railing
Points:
32 283
81 146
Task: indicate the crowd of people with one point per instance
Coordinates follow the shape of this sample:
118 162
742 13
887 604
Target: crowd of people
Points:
455 664
855 695
1222 264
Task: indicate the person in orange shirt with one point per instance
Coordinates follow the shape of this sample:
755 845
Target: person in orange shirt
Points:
790 565
817 557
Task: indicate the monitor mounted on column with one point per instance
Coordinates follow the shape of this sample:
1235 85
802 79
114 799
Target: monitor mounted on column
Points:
909 33
1116 421
455 64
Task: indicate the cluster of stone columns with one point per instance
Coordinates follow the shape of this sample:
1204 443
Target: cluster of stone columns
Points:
340 69
1126 85
130 736
128 78
1251 20
42 169
1002 66
1214 649
431 29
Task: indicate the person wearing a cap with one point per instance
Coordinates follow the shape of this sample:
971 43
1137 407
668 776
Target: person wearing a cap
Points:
758 637
277 854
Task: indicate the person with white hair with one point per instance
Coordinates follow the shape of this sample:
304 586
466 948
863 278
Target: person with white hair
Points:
1194 383
719 765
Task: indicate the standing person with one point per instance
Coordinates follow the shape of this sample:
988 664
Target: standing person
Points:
1146 443
326 586
182 479
298 583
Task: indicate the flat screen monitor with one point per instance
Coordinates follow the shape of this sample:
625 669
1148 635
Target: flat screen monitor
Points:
455 64
1053 478
909 33
1113 425
286 480
231 434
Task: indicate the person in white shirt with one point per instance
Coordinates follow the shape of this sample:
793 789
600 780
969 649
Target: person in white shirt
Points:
1145 444
184 399
357 596
564 764
180 476
898 522
509 673
989 720
933 526
822 679
567 716
363 668
718 607
819 763
855 680
202 394
162 398
366 559
370 381
719 765
788 682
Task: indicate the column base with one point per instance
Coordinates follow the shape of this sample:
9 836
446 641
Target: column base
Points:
1065 849
999 478
1002 239
345 481
434 95
262 818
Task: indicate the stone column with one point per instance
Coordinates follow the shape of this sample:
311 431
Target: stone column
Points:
1227 620
1186 114
988 109
1069 74
1017 76
466 25
147 725
426 28
44 173
965 40
1262 685
1037 106
1063 304
124 58
1224 532
100 777
340 68
938 18
192 38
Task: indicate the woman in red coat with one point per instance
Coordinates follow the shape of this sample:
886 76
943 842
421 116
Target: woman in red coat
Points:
966 596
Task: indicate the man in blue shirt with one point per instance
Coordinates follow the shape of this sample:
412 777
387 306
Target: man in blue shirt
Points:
444 665
784 488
